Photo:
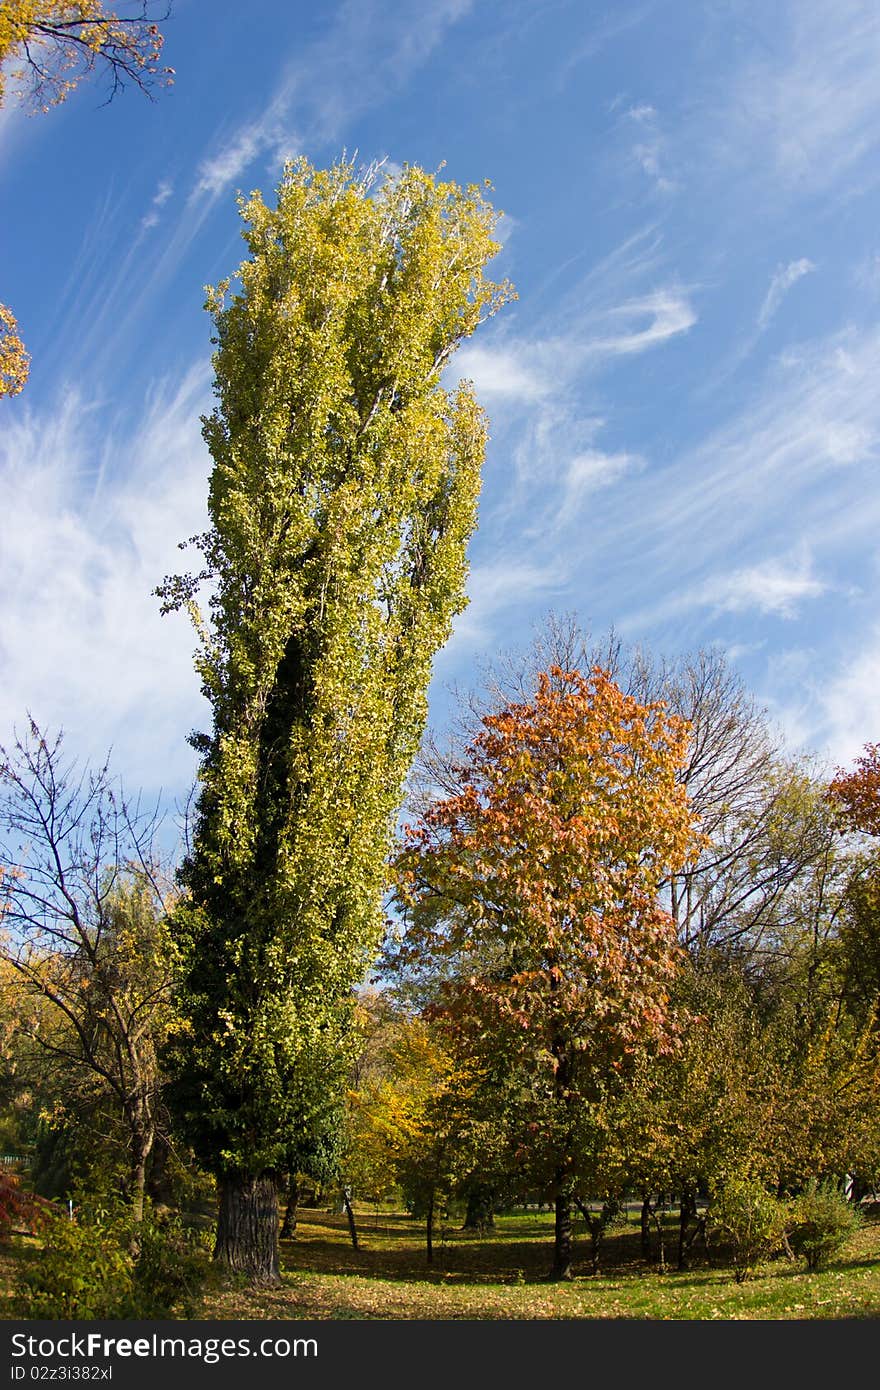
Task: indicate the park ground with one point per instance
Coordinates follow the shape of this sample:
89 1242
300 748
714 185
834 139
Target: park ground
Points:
500 1275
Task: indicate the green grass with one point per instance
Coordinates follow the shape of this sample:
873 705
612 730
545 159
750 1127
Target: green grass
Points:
502 1276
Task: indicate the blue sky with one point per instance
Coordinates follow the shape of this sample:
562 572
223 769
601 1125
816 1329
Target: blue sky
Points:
684 400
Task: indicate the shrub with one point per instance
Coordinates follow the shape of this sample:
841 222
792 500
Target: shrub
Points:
83 1271
19 1208
102 1265
752 1221
823 1221
170 1269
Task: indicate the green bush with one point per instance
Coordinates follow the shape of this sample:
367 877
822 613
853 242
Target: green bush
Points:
170 1269
101 1265
751 1220
822 1222
83 1271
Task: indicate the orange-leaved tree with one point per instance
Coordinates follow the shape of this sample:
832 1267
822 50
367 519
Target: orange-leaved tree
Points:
536 888
856 794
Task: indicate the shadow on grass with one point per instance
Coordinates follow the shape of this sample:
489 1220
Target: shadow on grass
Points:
517 1251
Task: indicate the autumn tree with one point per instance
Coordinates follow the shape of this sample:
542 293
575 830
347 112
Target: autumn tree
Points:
14 359
414 1122
856 794
341 500
84 931
763 827
539 879
47 47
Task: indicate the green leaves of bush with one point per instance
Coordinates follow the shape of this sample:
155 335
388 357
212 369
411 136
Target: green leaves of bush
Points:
823 1222
102 1265
751 1220
815 1225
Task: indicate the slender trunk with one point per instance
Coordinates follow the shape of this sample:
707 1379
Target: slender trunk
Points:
564 1184
349 1213
288 1225
687 1214
429 1229
562 1242
595 1223
247 1227
646 1225
661 1246
140 1145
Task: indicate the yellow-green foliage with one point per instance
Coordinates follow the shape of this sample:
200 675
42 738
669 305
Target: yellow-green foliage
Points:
342 497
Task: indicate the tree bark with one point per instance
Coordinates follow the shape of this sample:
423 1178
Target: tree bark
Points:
349 1213
480 1215
288 1226
646 1225
247 1227
562 1240
429 1229
140 1145
687 1214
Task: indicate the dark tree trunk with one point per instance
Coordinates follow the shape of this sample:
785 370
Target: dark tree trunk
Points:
288 1225
349 1213
480 1215
657 1216
160 1187
687 1214
247 1227
646 1225
562 1238
429 1229
595 1223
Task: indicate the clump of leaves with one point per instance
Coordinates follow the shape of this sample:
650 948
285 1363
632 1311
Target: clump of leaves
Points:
751 1220
19 1208
823 1222
104 1265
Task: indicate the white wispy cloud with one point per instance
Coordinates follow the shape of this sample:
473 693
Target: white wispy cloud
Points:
783 279
668 312
776 587
807 98
498 585
592 470
829 710
650 149
152 217
369 51
847 703
505 370
90 528
226 166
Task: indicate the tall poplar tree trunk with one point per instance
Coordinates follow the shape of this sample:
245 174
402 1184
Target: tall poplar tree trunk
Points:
247 1227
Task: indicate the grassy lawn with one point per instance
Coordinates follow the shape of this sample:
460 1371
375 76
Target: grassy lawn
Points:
501 1276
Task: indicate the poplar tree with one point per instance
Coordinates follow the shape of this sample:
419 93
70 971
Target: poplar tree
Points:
342 496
